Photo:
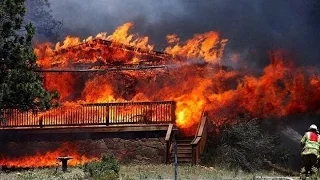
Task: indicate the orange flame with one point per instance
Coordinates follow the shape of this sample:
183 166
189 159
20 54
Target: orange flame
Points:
104 88
207 46
282 89
48 159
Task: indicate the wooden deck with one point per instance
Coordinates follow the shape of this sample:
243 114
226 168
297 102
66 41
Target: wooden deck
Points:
97 115
88 129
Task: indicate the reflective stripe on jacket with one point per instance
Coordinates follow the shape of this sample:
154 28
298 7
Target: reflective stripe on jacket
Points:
311 143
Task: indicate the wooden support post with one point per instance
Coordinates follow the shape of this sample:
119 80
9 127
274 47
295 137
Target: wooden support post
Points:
107 115
168 143
193 155
41 122
173 113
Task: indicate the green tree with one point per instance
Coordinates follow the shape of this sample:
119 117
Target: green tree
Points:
20 86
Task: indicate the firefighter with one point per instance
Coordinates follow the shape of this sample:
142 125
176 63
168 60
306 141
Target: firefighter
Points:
310 143
318 160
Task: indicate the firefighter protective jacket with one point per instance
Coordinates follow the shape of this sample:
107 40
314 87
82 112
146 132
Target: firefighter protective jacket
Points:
311 143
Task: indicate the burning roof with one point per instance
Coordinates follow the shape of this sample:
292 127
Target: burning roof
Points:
99 52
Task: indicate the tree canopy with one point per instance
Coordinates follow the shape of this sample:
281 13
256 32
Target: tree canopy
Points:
20 86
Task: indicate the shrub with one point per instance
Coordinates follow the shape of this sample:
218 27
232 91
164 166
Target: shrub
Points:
107 168
247 146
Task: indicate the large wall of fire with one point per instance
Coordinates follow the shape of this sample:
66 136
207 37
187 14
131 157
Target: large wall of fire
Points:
194 78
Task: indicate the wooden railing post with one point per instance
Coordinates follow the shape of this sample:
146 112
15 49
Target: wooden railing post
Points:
168 142
41 122
199 141
173 112
107 115
193 155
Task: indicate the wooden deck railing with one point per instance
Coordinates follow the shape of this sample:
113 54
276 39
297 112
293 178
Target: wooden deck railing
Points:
94 114
200 139
168 140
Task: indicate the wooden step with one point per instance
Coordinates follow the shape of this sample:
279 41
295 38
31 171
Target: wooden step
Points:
182 156
182 151
184 140
185 137
184 143
182 160
179 146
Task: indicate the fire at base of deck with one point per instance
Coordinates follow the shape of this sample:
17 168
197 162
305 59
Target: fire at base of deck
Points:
129 121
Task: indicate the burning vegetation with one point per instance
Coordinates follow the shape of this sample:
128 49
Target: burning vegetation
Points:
48 159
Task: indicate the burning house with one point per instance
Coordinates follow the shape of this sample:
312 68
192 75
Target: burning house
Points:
123 50
107 80
105 77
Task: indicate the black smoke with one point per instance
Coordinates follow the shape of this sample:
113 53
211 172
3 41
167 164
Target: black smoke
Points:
39 14
253 27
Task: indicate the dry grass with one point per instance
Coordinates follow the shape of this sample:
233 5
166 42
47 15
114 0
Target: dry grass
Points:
44 174
185 172
139 172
